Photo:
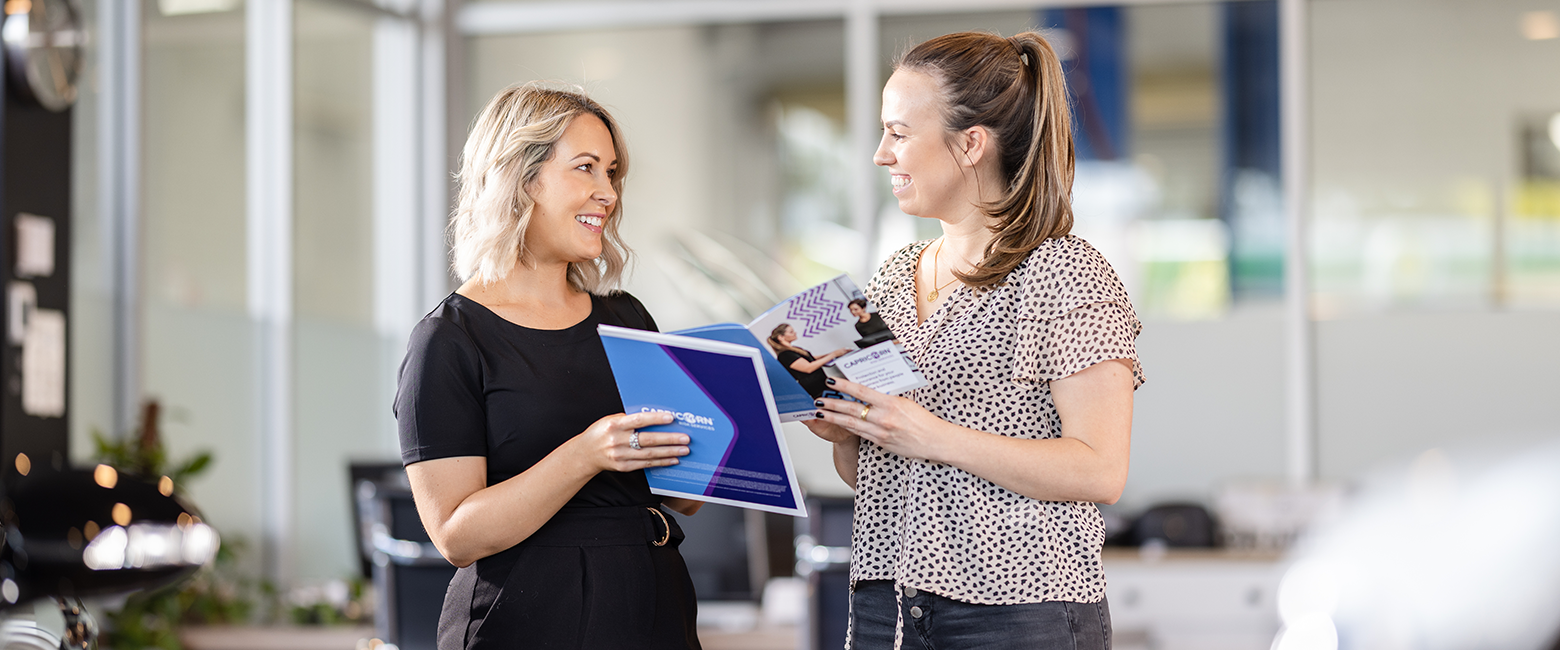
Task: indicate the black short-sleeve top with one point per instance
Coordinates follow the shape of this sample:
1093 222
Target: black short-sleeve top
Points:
474 384
812 382
989 359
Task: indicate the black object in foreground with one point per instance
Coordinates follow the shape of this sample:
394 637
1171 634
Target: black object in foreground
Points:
77 533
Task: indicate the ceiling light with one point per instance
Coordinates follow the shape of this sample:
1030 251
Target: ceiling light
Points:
1540 25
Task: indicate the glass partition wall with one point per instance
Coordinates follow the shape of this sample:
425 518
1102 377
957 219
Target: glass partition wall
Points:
197 338
1436 240
350 202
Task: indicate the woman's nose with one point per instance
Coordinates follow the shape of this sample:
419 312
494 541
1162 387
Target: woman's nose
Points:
882 157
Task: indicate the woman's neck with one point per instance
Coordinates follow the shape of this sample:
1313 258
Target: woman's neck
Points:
964 241
526 285
967 231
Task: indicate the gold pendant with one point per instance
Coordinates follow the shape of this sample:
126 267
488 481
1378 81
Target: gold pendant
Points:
932 297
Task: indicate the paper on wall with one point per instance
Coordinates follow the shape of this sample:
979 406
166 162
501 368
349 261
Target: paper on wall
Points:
34 246
43 364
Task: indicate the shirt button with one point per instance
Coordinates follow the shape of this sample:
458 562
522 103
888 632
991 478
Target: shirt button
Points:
910 592
915 612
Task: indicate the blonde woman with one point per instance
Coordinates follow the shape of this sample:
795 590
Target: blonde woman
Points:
526 473
804 367
975 520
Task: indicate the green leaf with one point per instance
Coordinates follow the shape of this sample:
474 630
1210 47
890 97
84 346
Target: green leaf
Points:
192 467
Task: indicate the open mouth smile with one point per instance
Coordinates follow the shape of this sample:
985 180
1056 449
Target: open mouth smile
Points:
591 222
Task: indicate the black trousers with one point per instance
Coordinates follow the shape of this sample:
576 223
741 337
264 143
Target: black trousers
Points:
590 578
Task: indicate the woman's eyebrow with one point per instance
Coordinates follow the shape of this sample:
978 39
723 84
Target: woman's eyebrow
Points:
894 123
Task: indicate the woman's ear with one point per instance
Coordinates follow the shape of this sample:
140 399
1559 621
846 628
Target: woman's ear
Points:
976 142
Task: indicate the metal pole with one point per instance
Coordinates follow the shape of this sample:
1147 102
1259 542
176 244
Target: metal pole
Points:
1299 334
397 299
863 94
119 175
443 133
268 142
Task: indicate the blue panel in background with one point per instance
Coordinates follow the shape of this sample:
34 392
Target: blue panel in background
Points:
1098 77
1251 173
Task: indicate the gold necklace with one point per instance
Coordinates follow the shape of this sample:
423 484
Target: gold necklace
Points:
932 297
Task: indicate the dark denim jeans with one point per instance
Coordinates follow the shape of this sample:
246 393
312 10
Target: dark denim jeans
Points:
933 622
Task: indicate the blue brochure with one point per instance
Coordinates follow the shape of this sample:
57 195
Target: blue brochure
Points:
791 401
721 397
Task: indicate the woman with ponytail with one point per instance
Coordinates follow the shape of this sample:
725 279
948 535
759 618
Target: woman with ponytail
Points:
526 472
975 523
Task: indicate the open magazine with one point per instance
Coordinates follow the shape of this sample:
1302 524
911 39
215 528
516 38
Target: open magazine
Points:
834 316
730 386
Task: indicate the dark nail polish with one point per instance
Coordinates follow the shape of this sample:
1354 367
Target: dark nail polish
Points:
820 415
830 381
818 403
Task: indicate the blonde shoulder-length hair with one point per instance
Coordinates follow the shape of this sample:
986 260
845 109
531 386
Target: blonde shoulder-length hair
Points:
517 132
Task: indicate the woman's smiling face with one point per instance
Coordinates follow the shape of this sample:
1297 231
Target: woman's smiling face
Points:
573 195
926 175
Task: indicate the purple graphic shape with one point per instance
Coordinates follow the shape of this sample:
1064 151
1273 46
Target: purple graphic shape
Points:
736 431
816 311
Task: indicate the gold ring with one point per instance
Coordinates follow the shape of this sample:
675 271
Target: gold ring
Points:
864 409
668 536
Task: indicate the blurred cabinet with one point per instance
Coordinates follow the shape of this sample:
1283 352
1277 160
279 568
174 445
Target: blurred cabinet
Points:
1192 599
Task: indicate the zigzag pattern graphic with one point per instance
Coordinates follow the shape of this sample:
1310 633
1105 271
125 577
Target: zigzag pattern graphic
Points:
816 312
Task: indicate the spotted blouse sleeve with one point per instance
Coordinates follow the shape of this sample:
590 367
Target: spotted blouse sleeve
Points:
1073 313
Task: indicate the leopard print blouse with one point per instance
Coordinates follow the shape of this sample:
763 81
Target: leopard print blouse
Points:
989 359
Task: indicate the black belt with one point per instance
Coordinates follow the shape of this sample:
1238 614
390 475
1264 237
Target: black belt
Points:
607 526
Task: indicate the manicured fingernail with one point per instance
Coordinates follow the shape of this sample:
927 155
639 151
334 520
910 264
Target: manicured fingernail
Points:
682 440
818 403
672 462
830 381
819 414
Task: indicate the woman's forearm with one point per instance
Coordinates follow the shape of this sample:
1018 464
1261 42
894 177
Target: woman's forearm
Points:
499 516
1087 462
803 365
1055 469
847 455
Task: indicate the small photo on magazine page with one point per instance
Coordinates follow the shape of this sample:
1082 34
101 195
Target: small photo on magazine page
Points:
832 326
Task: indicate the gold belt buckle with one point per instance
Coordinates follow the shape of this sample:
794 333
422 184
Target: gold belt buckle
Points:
665 524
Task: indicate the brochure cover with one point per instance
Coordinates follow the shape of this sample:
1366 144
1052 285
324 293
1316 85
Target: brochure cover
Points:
720 395
835 316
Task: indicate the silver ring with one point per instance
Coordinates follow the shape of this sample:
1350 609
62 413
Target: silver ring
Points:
633 440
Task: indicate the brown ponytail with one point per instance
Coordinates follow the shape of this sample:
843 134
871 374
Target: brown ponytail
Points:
1015 88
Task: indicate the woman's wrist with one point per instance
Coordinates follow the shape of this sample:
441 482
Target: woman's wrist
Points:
577 460
947 442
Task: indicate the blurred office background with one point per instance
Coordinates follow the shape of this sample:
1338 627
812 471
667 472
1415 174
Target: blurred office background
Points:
260 191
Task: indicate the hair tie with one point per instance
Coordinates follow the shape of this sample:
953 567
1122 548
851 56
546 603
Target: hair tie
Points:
1023 57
